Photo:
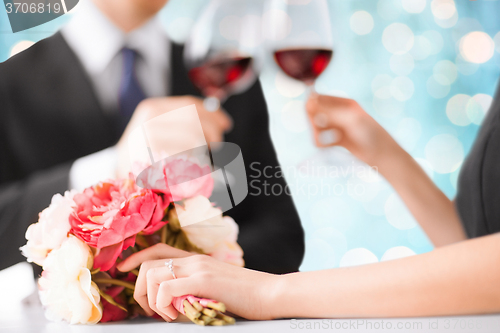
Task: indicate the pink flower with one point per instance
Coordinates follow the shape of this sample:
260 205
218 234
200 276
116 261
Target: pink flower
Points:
179 179
108 217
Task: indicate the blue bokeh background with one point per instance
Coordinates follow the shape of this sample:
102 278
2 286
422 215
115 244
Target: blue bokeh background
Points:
417 80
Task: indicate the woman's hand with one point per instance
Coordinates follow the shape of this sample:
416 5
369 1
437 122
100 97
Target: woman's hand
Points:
341 121
245 292
158 251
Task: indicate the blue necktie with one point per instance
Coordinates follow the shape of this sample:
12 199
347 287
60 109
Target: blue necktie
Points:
131 93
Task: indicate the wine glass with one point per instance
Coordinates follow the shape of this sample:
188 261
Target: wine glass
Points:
300 39
303 49
223 53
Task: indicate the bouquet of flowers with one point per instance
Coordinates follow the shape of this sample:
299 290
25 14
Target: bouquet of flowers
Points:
81 236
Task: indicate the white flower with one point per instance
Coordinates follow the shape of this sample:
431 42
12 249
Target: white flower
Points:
208 230
229 251
66 288
51 229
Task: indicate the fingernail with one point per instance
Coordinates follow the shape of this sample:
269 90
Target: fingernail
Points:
328 137
321 120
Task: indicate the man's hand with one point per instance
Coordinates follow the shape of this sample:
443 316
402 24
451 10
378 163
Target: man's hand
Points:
172 136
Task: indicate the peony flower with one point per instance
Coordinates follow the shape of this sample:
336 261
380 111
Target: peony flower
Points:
66 288
108 216
51 229
180 178
208 230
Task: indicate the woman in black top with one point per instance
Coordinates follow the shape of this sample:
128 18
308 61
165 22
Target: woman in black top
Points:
461 276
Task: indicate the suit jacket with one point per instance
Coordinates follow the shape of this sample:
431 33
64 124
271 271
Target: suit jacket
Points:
50 116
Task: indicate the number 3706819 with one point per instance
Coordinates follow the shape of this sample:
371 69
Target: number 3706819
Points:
25 8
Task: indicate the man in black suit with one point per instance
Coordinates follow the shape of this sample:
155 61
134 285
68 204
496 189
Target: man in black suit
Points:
66 100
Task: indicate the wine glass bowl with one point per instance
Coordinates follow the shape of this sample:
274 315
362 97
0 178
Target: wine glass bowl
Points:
301 40
303 64
222 54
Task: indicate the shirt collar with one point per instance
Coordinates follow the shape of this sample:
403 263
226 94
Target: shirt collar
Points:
96 40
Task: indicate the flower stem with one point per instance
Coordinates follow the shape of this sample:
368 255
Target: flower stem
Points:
111 301
116 282
163 235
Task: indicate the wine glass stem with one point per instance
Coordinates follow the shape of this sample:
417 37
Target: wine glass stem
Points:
311 91
211 104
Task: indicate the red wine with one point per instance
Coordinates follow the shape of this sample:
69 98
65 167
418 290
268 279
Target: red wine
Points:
303 64
222 76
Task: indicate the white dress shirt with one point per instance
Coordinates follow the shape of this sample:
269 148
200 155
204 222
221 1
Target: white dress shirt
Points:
97 43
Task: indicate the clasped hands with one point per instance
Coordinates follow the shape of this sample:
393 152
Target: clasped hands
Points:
247 293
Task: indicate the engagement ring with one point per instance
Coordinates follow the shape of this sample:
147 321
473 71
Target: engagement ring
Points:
170 265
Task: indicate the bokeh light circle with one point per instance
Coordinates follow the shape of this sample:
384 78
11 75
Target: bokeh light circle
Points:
398 38
402 88
20 47
422 48
496 39
445 153
445 72
445 13
456 110
358 256
397 252
477 107
443 9
361 22
435 39
477 47
414 6
381 86
445 24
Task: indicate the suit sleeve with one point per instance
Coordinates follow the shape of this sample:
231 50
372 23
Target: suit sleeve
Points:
22 196
271 234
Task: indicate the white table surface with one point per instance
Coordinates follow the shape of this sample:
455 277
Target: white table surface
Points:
16 316
31 319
